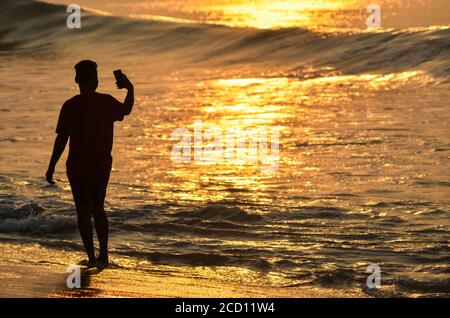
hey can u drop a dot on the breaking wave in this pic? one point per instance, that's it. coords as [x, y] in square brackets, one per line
[34, 26]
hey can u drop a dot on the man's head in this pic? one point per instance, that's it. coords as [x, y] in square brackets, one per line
[86, 74]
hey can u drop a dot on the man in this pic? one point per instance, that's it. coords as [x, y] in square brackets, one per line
[88, 120]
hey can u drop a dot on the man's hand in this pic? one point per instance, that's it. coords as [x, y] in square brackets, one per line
[129, 99]
[49, 175]
[126, 82]
[58, 149]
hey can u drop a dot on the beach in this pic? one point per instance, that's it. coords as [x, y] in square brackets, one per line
[360, 179]
[40, 272]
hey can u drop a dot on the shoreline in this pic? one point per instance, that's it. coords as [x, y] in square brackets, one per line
[33, 274]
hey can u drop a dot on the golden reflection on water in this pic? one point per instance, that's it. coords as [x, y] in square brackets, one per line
[274, 14]
[248, 102]
[322, 129]
[262, 14]
[243, 105]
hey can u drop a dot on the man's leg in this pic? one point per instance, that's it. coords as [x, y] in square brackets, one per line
[102, 229]
[85, 228]
[101, 221]
[81, 190]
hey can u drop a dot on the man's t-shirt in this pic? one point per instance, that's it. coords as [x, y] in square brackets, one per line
[89, 121]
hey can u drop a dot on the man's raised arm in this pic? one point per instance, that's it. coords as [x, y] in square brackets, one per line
[129, 99]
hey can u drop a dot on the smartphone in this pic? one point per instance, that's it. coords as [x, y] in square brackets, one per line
[119, 78]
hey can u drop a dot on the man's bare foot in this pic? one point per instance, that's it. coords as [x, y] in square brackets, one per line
[102, 261]
[88, 263]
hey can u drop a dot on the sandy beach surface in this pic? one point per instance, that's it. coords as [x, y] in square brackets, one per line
[32, 271]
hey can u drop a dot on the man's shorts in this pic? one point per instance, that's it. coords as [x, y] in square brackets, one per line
[88, 183]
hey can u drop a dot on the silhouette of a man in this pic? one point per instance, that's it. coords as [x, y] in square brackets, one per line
[88, 120]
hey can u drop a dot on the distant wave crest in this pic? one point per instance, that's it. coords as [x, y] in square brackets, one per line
[35, 26]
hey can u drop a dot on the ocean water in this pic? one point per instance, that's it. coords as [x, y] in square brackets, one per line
[363, 116]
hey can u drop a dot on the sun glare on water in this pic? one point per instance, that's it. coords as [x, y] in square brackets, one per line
[276, 14]
[273, 14]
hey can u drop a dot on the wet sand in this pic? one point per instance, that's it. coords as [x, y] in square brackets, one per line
[29, 275]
